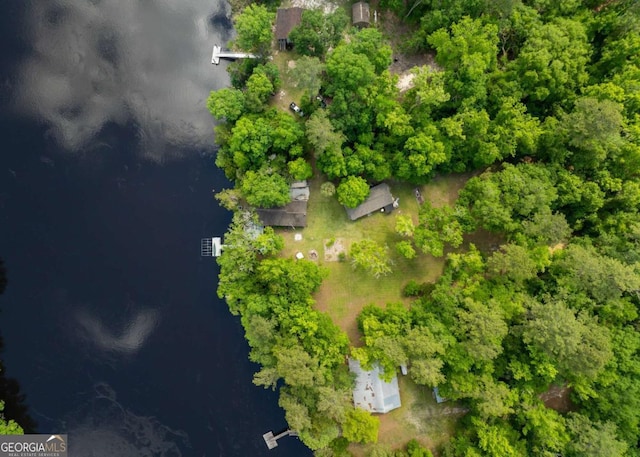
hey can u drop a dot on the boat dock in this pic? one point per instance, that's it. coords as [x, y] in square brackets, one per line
[218, 54]
[272, 441]
[211, 247]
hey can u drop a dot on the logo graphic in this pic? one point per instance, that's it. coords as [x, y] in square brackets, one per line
[56, 437]
[33, 446]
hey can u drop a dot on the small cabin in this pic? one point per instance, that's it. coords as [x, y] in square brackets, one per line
[360, 15]
[286, 20]
[379, 199]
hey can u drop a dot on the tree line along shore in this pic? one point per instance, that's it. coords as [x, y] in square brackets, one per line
[536, 103]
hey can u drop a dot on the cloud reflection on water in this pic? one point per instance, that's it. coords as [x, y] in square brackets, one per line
[128, 341]
[98, 62]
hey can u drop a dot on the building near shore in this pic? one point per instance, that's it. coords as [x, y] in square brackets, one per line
[286, 20]
[372, 393]
[360, 14]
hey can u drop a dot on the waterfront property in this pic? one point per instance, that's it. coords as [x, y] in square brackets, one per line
[360, 14]
[286, 20]
[379, 199]
[293, 214]
[372, 393]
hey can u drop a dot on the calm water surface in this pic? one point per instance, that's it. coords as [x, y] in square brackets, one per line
[110, 318]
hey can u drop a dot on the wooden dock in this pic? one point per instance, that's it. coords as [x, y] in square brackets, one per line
[271, 440]
[218, 54]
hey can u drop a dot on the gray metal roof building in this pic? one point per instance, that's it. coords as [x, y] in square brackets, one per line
[372, 393]
[379, 197]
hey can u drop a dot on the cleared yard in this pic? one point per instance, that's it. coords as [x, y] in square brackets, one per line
[346, 291]
[419, 417]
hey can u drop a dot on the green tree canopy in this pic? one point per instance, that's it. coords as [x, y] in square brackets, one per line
[264, 189]
[360, 426]
[371, 257]
[352, 191]
[317, 32]
[226, 103]
[254, 29]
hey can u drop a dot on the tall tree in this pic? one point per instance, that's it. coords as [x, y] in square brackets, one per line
[360, 426]
[578, 345]
[254, 29]
[437, 227]
[551, 65]
[352, 191]
[226, 103]
[308, 75]
[468, 54]
[370, 256]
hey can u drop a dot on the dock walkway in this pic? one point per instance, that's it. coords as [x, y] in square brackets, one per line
[218, 54]
[272, 441]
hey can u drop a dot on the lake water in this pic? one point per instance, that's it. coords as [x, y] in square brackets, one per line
[110, 318]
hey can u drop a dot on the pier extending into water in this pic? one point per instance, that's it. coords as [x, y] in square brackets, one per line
[218, 54]
[271, 440]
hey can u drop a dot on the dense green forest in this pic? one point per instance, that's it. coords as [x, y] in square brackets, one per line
[542, 98]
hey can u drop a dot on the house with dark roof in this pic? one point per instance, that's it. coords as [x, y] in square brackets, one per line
[293, 214]
[379, 199]
[286, 20]
[372, 393]
[360, 15]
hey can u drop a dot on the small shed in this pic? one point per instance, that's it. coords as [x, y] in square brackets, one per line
[379, 198]
[294, 214]
[286, 20]
[299, 191]
[372, 393]
[360, 15]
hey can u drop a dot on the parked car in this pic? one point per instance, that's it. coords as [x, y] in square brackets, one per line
[296, 109]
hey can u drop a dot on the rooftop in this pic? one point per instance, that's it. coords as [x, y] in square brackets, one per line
[379, 197]
[286, 20]
[294, 214]
[372, 393]
[360, 13]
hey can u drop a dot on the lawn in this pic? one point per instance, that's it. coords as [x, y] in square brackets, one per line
[288, 92]
[346, 291]
[419, 417]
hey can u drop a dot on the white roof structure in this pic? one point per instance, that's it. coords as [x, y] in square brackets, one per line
[372, 393]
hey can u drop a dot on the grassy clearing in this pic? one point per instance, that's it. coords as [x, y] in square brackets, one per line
[288, 92]
[346, 291]
[419, 417]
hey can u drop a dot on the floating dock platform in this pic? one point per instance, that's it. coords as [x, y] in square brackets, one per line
[271, 440]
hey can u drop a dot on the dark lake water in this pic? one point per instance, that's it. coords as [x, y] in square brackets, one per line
[110, 318]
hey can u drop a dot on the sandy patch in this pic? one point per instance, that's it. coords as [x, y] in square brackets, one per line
[405, 82]
[333, 249]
